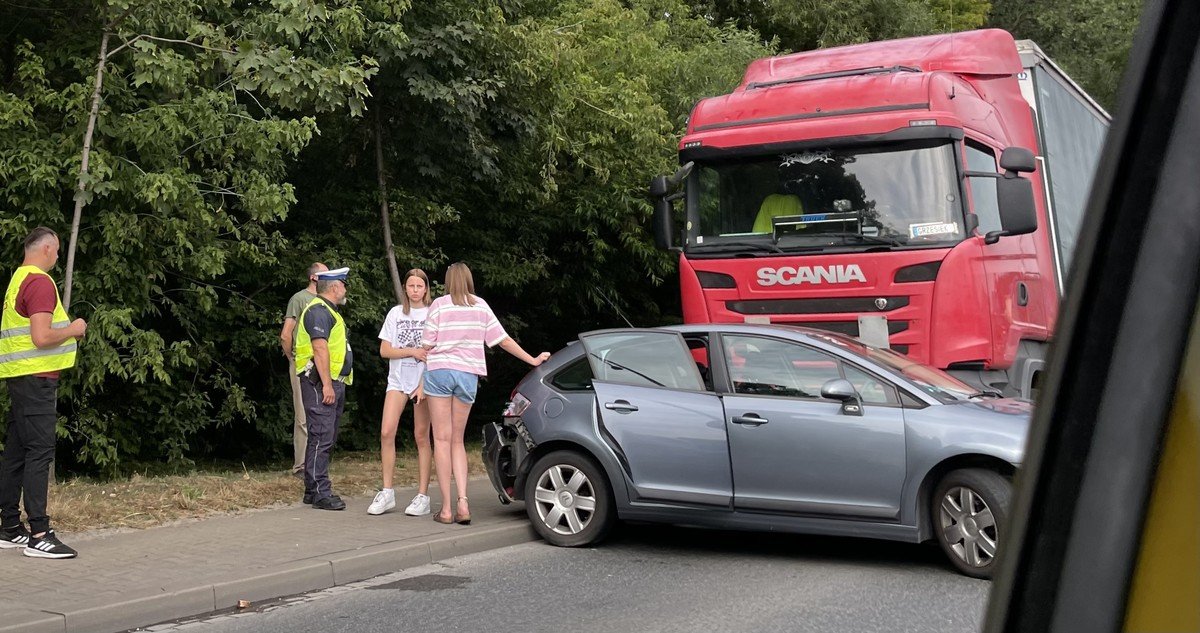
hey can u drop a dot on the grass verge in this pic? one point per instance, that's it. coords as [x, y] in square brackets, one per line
[82, 504]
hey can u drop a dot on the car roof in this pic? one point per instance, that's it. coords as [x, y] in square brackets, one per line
[822, 338]
[764, 329]
[831, 342]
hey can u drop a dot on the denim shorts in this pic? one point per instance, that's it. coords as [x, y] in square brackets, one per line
[443, 383]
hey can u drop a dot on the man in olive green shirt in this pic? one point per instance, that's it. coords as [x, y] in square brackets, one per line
[287, 339]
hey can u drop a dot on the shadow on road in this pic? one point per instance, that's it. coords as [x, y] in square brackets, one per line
[798, 547]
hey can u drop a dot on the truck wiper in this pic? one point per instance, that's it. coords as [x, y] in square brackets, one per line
[759, 246]
[869, 239]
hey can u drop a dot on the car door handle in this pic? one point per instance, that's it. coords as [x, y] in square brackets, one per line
[620, 406]
[750, 419]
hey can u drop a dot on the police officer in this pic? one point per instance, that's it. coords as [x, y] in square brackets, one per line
[323, 363]
[37, 341]
[287, 336]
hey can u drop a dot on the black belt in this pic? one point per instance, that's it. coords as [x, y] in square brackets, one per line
[315, 376]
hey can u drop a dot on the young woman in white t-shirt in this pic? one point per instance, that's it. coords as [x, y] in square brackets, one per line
[400, 343]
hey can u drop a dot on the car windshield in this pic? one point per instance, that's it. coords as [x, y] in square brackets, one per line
[899, 194]
[932, 381]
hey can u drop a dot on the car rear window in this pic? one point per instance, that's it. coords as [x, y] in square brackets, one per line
[576, 376]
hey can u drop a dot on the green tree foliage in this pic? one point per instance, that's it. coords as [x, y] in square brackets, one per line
[799, 25]
[229, 154]
[1090, 39]
[521, 142]
[235, 144]
[204, 105]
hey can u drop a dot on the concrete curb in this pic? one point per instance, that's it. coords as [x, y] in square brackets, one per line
[320, 572]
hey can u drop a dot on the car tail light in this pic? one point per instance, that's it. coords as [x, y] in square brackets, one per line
[516, 406]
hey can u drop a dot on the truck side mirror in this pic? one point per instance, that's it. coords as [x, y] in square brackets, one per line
[1017, 159]
[658, 186]
[1018, 216]
[664, 222]
[660, 192]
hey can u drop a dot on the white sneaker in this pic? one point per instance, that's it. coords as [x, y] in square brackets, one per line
[418, 507]
[384, 500]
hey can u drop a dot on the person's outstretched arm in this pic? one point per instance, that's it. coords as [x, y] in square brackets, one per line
[514, 348]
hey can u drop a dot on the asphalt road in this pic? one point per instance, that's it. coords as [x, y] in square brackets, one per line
[647, 578]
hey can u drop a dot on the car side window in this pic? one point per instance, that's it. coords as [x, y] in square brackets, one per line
[576, 376]
[870, 389]
[771, 367]
[909, 401]
[698, 345]
[642, 357]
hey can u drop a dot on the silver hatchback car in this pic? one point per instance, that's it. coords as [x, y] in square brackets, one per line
[757, 427]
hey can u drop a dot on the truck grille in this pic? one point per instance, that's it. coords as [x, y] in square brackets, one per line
[815, 306]
[849, 328]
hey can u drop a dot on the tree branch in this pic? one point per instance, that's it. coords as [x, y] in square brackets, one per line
[384, 212]
[167, 40]
[118, 49]
[80, 189]
[205, 140]
[192, 44]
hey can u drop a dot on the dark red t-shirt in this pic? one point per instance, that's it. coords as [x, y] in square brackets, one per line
[37, 294]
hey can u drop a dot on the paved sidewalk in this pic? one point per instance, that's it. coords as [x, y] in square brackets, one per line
[134, 579]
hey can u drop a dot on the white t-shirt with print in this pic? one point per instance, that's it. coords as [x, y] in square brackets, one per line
[404, 330]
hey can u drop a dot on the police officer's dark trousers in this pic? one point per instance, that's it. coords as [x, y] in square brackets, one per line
[322, 433]
[28, 451]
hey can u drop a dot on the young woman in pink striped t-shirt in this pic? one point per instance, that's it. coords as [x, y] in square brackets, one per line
[458, 327]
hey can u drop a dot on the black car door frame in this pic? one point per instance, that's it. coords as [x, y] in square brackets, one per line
[1094, 444]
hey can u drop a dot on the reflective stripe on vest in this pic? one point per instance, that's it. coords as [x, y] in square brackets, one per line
[337, 344]
[18, 355]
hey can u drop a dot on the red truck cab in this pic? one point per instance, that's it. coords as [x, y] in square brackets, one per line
[898, 191]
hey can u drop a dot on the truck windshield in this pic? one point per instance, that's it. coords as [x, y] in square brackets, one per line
[934, 382]
[897, 195]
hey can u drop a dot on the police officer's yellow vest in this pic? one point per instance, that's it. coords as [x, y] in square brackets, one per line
[337, 344]
[18, 355]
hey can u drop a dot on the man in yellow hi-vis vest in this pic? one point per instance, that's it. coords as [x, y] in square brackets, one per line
[324, 363]
[37, 341]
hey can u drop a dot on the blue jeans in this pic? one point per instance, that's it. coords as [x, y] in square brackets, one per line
[443, 383]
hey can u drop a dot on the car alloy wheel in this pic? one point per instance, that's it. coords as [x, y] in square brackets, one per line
[568, 499]
[969, 508]
[565, 499]
[969, 526]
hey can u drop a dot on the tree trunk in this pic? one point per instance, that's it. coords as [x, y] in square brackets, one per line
[384, 213]
[83, 170]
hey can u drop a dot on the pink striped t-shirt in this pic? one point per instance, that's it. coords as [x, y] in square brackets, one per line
[456, 335]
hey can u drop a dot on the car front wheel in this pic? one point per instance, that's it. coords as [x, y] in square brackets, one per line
[569, 500]
[969, 512]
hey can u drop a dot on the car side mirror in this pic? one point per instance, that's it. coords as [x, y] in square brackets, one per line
[841, 390]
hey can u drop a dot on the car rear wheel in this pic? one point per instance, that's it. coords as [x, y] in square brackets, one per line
[569, 500]
[969, 508]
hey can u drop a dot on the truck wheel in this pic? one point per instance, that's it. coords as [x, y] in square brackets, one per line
[969, 509]
[568, 500]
